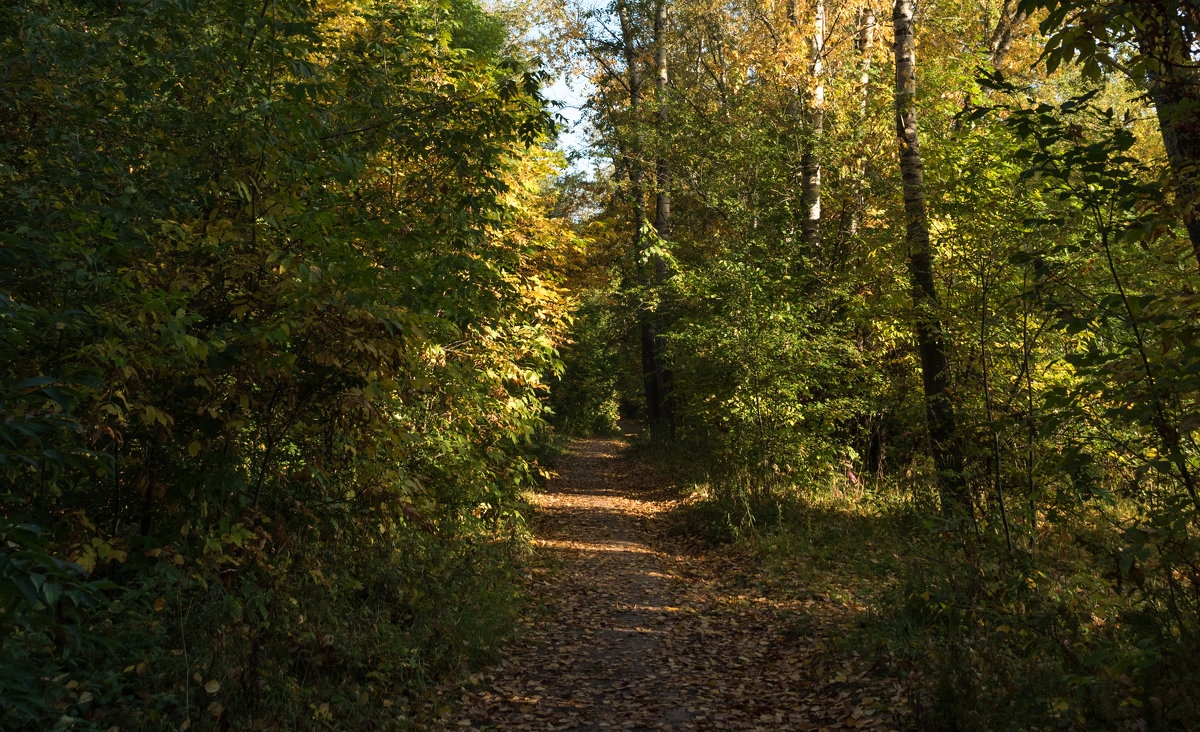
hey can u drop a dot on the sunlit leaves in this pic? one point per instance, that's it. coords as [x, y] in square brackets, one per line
[276, 282]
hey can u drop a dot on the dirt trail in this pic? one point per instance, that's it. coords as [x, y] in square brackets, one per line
[644, 634]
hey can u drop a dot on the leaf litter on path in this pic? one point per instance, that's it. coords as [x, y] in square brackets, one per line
[644, 631]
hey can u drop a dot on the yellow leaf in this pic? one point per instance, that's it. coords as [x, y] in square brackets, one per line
[213, 686]
[87, 560]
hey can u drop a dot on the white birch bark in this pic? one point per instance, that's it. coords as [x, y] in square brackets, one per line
[810, 161]
[865, 44]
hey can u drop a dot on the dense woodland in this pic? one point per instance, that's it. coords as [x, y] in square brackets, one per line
[297, 302]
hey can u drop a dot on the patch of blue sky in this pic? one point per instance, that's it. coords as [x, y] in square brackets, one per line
[570, 92]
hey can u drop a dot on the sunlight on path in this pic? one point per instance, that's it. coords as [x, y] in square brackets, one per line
[642, 635]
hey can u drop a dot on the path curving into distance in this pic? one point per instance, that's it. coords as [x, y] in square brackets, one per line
[643, 633]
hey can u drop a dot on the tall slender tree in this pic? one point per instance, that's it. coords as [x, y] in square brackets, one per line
[944, 440]
[814, 122]
[809, 105]
[655, 378]
[663, 425]
[864, 43]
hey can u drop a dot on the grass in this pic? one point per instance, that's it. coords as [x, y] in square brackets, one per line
[1055, 640]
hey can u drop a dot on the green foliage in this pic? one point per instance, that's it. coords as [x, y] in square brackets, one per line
[585, 400]
[1099, 36]
[1066, 300]
[275, 322]
[1080, 576]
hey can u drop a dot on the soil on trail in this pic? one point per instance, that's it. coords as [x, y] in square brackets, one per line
[644, 631]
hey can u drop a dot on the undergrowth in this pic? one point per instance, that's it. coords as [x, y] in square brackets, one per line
[360, 639]
[1056, 638]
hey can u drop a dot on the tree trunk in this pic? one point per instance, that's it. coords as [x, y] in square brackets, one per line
[662, 211]
[1001, 40]
[865, 20]
[634, 170]
[945, 444]
[1173, 81]
[665, 426]
[655, 377]
[998, 44]
[634, 159]
[814, 109]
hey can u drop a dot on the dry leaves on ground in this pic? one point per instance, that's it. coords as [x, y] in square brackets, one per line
[644, 631]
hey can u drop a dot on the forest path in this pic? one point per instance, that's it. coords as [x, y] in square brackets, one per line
[645, 632]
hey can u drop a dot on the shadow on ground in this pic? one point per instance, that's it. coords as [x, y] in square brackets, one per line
[644, 631]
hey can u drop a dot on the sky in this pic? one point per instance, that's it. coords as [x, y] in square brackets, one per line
[570, 87]
[572, 93]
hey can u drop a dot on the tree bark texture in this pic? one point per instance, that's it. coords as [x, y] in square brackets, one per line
[1002, 36]
[664, 425]
[814, 122]
[864, 18]
[945, 443]
[655, 376]
[633, 72]
[1168, 42]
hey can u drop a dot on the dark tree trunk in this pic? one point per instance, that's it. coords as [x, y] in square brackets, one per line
[634, 170]
[945, 444]
[664, 426]
[1173, 83]
[655, 377]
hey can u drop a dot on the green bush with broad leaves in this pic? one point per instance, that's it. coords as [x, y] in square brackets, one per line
[275, 323]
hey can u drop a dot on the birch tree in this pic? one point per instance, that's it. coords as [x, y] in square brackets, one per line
[944, 440]
[810, 162]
